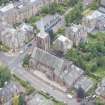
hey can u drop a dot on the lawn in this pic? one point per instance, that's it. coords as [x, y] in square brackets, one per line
[34, 19]
[25, 84]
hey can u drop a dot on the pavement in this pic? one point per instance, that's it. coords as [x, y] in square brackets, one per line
[14, 63]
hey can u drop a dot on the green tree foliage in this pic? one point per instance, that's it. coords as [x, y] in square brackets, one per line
[72, 2]
[95, 4]
[52, 36]
[75, 15]
[3, 1]
[80, 93]
[4, 75]
[15, 100]
[52, 9]
[61, 30]
[90, 56]
[26, 60]
[21, 99]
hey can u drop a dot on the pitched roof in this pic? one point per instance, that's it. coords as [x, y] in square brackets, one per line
[101, 88]
[40, 100]
[68, 75]
[85, 82]
[47, 59]
[10, 89]
[71, 76]
[102, 2]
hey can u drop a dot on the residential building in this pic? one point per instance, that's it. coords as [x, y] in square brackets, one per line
[21, 10]
[60, 1]
[15, 38]
[102, 6]
[102, 3]
[56, 69]
[100, 24]
[27, 30]
[93, 21]
[7, 36]
[38, 99]
[76, 33]
[85, 83]
[62, 44]
[87, 3]
[50, 22]
[88, 102]
[43, 40]
[100, 91]
[9, 91]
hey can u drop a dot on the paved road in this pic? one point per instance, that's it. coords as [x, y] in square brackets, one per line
[14, 64]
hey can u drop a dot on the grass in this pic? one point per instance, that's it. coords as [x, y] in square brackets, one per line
[34, 19]
[87, 12]
[100, 101]
[3, 48]
[25, 84]
[90, 56]
[58, 103]
[100, 72]
[47, 96]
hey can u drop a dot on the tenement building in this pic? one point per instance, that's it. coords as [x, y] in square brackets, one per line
[62, 44]
[21, 10]
[15, 38]
[43, 40]
[94, 20]
[50, 22]
[76, 33]
[56, 69]
[102, 6]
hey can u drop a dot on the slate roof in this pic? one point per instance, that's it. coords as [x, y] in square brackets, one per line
[9, 90]
[87, 2]
[69, 76]
[102, 9]
[72, 75]
[101, 88]
[102, 2]
[48, 59]
[18, 6]
[62, 43]
[39, 100]
[48, 22]
[85, 82]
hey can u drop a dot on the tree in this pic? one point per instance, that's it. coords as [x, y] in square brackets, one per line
[52, 9]
[52, 36]
[61, 30]
[21, 99]
[95, 4]
[101, 61]
[26, 61]
[72, 2]
[5, 75]
[80, 93]
[75, 15]
[45, 10]
[15, 100]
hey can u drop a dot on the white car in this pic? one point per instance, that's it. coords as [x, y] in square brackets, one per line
[69, 96]
[21, 51]
[43, 90]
